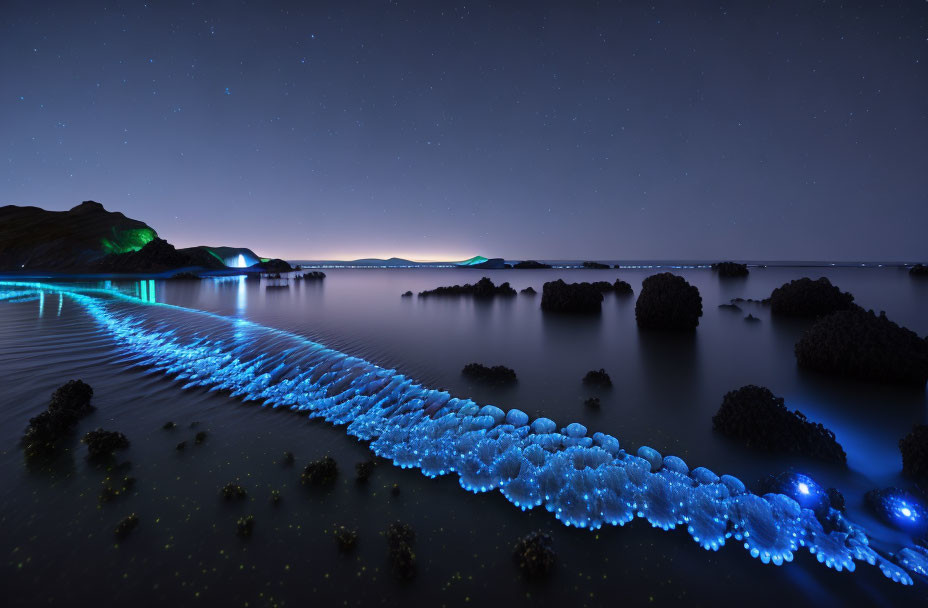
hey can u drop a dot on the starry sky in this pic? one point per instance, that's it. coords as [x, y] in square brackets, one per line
[432, 130]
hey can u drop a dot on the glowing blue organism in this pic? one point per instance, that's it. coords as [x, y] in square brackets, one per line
[584, 480]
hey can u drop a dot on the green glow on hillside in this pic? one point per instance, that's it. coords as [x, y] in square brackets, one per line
[124, 241]
[216, 255]
[265, 259]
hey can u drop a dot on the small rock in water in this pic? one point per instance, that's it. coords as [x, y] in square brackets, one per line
[320, 472]
[181, 446]
[102, 443]
[233, 490]
[169, 426]
[345, 538]
[497, 375]
[592, 402]
[364, 469]
[126, 525]
[245, 525]
[598, 378]
[199, 437]
[534, 554]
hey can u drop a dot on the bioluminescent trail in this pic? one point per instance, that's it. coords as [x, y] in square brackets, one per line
[584, 480]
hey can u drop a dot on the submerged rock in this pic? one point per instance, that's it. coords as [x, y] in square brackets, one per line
[245, 525]
[320, 472]
[363, 470]
[534, 554]
[667, 301]
[169, 426]
[595, 266]
[751, 318]
[558, 296]
[592, 402]
[761, 420]
[528, 291]
[484, 288]
[807, 298]
[400, 538]
[200, 437]
[102, 443]
[530, 265]
[232, 491]
[730, 270]
[497, 375]
[859, 344]
[345, 538]
[127, 525]
[914, 448]
[597, 377]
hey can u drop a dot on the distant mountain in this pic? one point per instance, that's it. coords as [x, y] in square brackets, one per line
[36, 239]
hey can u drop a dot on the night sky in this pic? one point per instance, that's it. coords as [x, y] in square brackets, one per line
[571, 130]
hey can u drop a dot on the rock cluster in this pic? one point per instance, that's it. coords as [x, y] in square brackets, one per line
[101, 444]
[667, 301]
[363, 470]
[245, 525]
[860, 344]
[807, 298]
[484, 288]
[534, 554]
[345, 538]
[621, 288]
[497, 375]
[232, 491]
[320, 472]
[730, 270]
[314, 275]
[595, 266]
[69, 403]
[914, 448]
[400, 538]
[558, 296]
[530, 265]
[597, 377]
[528, 291]
[759, 419]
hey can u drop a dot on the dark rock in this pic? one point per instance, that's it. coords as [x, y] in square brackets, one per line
[407, 294]
[751, 318]
[761, 420]
[667, 301]
[127, 525]
[273, 265]
[528, 291]
[807, 298]
[731, 307]
[558, 296]
[602, 286]
[69, 403]
[345, 539]
[200, 437]
[598, 378]
[320, 472]
[245, 525]
[621, 288]
[34, 239]
[730, 270]
[169, 426]
[592, 402]
[102, 443]
[835, 499]
[497, 375]
[484, 288]
[400, 538]
[363, 470]
[74, 397]
[232, 491]
[315, 275]
[914, 448]
[181, 446]
[919, 270]
[530, 265]
[156, 256]
[534, 554]
[595, 266]
[859, 344]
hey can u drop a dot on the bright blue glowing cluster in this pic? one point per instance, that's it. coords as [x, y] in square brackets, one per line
[899, 508]
[584, 480]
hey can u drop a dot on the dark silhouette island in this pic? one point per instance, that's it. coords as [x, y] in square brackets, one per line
[667, 301]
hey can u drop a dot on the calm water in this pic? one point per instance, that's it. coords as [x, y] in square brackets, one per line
[666, 389]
